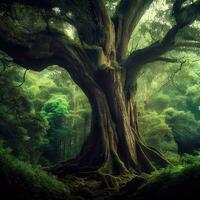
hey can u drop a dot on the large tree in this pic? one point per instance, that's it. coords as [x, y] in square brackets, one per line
[99, 62]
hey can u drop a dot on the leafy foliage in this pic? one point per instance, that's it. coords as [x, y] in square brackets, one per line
[42, 121]
[158, 134]
[170, 102]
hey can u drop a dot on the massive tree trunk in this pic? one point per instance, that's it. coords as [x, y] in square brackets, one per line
[114, 145]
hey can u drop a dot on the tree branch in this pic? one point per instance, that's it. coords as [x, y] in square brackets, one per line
[89, 17]
[191, 44]
[23, 80]
[96, 28]
[185, 15]
[137, 59]
[103, 19]
[38, 51]
[170, 60]
[127, 16]
[148, 54]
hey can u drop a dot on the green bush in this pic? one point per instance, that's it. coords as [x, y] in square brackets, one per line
[185, 129]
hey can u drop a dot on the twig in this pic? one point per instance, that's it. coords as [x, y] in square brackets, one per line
[24, 79]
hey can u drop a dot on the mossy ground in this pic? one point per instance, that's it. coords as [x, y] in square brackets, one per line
[22, 181]
[174, 183]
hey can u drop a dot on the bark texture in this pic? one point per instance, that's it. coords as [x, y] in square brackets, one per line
[114, 145]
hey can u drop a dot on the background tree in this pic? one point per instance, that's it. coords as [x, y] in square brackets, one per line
[21, 128]
[175, 101]
[98, 61]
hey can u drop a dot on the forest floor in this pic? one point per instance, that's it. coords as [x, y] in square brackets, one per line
[171, 183]
[22, 181]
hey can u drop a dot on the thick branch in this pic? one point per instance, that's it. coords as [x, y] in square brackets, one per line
[185, 15]
[127, 16]
[137, 59]
[103, 19]
[38, 51]
[90, 18]
[96, 28]
[148, 54]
